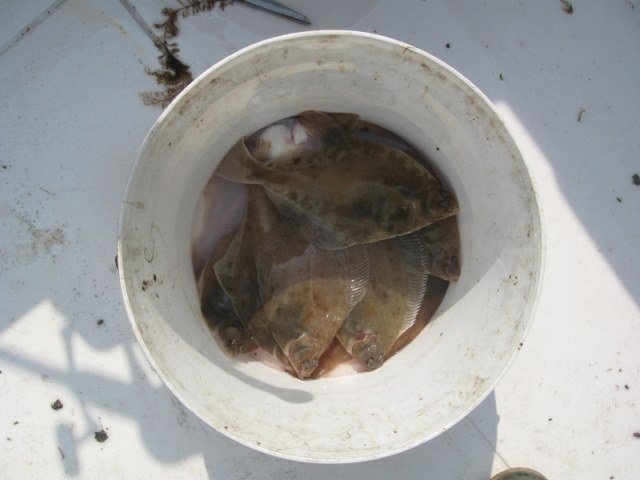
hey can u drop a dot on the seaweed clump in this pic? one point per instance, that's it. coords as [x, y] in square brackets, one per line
[173, 73]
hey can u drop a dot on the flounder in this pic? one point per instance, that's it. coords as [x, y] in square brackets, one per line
[236, 270]
[395, 290]
[307, 294]
[347, 191]
[218, 311]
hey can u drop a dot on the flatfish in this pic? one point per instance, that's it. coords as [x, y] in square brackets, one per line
[236, 270]
[347, 191]
[395, 290]
[307, 294]
[218, 311]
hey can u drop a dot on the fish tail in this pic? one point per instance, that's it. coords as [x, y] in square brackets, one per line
[322, 127]
[238, 165]
[349, 122]
[262, 150]
[225, 270]
[413, 256]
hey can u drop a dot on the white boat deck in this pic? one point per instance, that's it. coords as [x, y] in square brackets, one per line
[71, 122]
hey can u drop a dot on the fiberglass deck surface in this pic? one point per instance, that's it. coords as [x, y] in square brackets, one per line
[71, 123]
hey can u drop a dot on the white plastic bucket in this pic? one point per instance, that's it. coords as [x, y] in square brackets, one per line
[456, 360]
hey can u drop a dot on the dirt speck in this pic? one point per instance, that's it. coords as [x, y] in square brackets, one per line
[568, 8]
[100, 322]
[16, 422]
[626, 387]
[448, 45]
[61, 453]
[619, 199]
[145, 285]
[501, 77]
[581, 113]
[42, 239]
[101, 436]
[57, 405]
[635, 179]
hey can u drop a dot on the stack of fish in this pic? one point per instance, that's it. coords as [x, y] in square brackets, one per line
[337, 240]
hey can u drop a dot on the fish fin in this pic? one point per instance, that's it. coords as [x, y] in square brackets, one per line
[323, 127]
[259, 329]
[413, 256]
[238, 165]
[350, 122]
[358, 264]
[265, 256]
[225, 268]
[215, 304]
[309, 227]
[282, 359]
[261, 151]
[207, 280]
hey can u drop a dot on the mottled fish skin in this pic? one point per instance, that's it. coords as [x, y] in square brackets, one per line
[441, 242]
[218, 311]
[236, 270]
[361, 190]
[395, 290]
[307, 294]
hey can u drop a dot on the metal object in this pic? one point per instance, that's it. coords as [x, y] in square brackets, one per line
[157, 41]
[278, 9]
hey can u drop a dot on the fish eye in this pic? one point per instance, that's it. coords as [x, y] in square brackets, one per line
[309, 364]
[373, 363]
